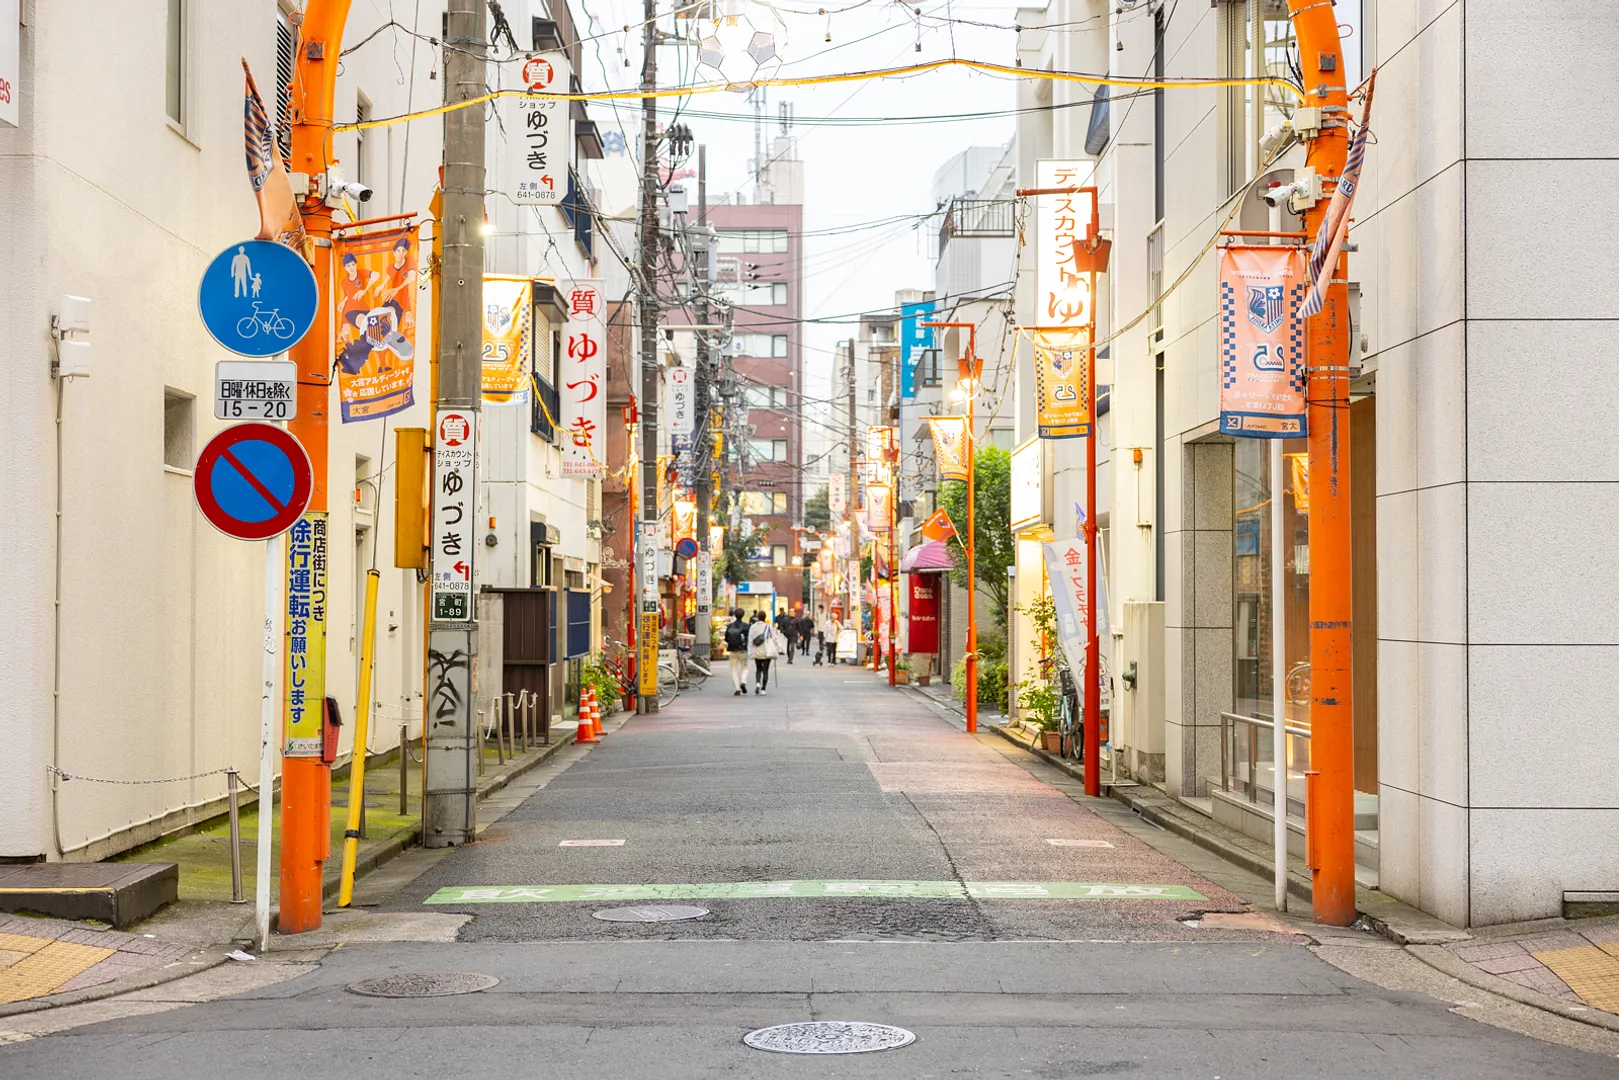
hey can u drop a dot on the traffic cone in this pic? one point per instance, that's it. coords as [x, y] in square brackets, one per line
[587, 731]
[596, 714]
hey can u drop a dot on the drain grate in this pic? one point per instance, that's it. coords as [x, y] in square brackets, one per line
[414, 984]
[652, 913]
[828, 1037]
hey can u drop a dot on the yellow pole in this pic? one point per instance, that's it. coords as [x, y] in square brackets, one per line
[362, 722]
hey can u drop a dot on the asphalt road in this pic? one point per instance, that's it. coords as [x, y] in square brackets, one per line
[836, 780]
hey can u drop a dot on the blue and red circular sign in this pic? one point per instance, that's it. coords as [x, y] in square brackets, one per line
[252, 481]
[686, 547]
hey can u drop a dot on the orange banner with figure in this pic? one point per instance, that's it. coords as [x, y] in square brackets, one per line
[949, 446]
[506, 325]
[1062, 390]
[376, 322]
[1262, 342]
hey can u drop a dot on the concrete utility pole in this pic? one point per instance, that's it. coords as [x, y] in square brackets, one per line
[703, 440]
[649, 343]
[1330, 782]
[448, 805]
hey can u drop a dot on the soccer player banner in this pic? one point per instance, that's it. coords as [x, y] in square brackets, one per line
[1062, 386]
[376, 322]
[949, 446]
[1262, 342]
[505, 340]
[582, 391]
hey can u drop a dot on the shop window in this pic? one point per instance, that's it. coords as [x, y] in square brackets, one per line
[1253, 604]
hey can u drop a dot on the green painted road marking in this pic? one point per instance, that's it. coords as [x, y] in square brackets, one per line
[754, 890]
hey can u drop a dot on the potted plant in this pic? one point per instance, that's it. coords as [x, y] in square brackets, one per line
[1042, 701]
[920, 666]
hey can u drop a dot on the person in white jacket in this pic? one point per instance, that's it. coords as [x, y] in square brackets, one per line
[762, 650]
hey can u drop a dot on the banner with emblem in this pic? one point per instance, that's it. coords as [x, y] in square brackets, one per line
[582, 380]
[1062, 390]
[506, 339]
[376, 322]
[949, 446]
[1262, 378]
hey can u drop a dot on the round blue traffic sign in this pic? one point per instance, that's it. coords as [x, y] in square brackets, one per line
[258, 298]
[252, 481]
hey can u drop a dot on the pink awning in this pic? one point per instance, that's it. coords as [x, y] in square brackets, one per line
[931, 556]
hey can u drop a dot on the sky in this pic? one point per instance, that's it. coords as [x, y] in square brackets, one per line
[856, 172]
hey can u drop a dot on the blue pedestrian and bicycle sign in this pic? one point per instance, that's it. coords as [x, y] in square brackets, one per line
[258, 298]
[252, 481]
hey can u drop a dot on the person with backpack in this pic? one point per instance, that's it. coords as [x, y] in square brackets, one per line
[736, 651]
[762, 648]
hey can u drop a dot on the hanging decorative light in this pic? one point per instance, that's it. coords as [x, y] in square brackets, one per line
[741, 41]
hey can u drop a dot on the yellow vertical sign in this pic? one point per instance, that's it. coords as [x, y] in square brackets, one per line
[304, 677]
[646, 647]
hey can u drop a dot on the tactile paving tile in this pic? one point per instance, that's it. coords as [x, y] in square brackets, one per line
[1591, 972]
[46, 969]
[22, 943]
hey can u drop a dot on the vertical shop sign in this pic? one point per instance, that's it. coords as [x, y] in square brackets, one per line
[646, 554]
[677, 399]
[376, 322]
[913, 339]
[923, 623]
[454, 511]
[1262, 342]
[305, 674]
[1062, 387]
[507, 339]
[583, 381]
[538, 148]
[837, 493]
[10, 61]
[1062, 294]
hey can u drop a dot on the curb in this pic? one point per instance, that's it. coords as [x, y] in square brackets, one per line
[214, 955]
[1442, 961]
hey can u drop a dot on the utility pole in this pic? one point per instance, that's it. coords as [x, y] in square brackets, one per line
[448, 806]
[703, 443]
[850, 501]
[646, 535]
[306, 779]
[1330, 781]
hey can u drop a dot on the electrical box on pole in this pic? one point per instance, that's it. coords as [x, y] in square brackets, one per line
[412, 474]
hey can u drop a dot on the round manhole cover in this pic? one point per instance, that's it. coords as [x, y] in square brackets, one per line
[414, 984]
[828, 1037]
[652, 913]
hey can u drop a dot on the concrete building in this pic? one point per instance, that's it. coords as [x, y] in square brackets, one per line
[136, 630]
[1479, 653]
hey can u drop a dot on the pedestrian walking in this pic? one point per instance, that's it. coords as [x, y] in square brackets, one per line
[762, 650]
[806, 631]
[789, 630]
[736, 651]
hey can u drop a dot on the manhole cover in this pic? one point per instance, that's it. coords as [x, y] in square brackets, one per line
[828, 1037]
[652, 913]
[414, 984]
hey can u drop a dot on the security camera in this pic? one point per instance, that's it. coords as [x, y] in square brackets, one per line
[1278, 193]
[356, 190]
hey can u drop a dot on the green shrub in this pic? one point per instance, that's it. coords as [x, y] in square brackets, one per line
[593, 673]
[991, 681]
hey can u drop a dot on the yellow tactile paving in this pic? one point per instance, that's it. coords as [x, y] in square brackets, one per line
[1609, 947]
[23, 943]
[48, 968]
[1591, 972]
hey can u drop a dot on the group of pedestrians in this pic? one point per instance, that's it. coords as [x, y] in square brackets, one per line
[754, 638]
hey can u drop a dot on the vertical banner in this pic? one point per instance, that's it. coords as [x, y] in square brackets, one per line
[455, 496]
[1062, 295]
[646, 554]
[507, 339]
[913, 339]
[922, 626]
[1065, 569]
[304, 674]
[879, 507]
[538, 147]
[1062, 389]
[376, 322]
[949, 446]
[583, 381]
[837, 493]
[705, 583]
[877, 444]
[646, 653]
[1262, 342]
[677, 401]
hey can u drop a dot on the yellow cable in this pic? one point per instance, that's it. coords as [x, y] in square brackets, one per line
[822, 80]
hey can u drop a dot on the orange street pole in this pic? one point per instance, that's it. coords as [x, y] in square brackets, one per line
[306, 782]
[969, 368]
[1330, 783]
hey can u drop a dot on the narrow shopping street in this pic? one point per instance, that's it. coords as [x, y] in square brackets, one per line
[907, 851]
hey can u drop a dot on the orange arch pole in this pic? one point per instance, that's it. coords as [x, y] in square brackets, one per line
[1330, 785]
[306, 782]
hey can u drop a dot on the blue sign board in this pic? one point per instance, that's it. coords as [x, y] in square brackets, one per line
[913, 338]
[258, 298]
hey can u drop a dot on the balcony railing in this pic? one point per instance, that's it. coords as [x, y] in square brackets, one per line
[967, 218]
[539, 423]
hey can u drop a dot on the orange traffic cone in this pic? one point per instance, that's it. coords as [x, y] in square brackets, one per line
[587, 731]
[596, 714]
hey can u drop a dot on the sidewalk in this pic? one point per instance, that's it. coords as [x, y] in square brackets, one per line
[46, 962]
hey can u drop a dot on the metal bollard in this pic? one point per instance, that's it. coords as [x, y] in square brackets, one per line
[501, 734]
[236, 896]
[528, 718]
[480, 742]
[511, 722]
[404, 770]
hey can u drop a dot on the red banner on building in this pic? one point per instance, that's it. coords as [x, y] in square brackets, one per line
[1262, 342]
[922, 629]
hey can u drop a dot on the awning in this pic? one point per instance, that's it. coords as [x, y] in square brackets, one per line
[933, 555]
